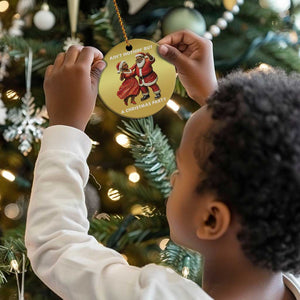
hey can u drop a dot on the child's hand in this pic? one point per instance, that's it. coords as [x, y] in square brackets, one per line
[71, 86]
[193, 59]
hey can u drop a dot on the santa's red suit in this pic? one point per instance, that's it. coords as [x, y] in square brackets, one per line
[147, 77]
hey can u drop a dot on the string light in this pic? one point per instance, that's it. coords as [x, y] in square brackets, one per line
[95, 143]
[185, 272]
[12, 211]
[186, 267]
[14, 265]
[163, 244]
[12, 95]
[136, 209]
[264, 67]
[4, 5]
[8, 175]
[113, 194]
[134, 177]
[122, 140]
[173, 105]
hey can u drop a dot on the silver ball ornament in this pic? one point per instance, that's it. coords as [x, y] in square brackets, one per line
[44, 19]
[235, 9]
[183, 18]
[278, 6]
[228, 16]
[208, 35]
[222, 23]
[214, 30]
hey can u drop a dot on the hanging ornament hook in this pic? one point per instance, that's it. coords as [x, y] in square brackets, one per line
[28, 70]
[73, 7]
[128, 47]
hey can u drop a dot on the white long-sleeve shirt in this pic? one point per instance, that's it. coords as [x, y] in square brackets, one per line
[68, 260]
[71, 262]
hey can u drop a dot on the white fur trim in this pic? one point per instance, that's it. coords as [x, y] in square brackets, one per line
[148, 83]
[121, 65]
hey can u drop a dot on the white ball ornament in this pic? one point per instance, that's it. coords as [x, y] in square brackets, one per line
[278, 6]
[235, 9]
[214, 30]
[222, 23]
[208, 35]
[44, 19]
[228, 16]
[240, 2]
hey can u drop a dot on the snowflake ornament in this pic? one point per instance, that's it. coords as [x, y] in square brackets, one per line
[70, 41]
[3, 112]
[26, 124]
[4, 63]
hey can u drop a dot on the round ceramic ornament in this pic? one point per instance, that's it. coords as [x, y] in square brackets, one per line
[136, 82]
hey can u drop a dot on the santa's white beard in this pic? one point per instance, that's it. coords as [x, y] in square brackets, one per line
[141, 64]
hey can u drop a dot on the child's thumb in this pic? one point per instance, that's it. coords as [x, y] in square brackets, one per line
[96, 71]
[172, 55]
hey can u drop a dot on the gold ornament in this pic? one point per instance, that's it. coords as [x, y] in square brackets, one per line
[136, 83]
[229, 4]
[73, 7]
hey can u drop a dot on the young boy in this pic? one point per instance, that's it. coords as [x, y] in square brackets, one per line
[235, 195]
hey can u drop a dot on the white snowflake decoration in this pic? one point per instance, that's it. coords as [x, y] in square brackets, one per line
[70, 41]
[5, 61]
[3, 112]
[27, 124]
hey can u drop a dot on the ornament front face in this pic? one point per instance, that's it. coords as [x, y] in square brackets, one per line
[136, 83]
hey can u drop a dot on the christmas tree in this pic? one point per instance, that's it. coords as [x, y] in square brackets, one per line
[132, 160]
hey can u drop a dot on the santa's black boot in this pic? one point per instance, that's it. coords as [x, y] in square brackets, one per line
[145, 97]
[126, 101]
[157, 96]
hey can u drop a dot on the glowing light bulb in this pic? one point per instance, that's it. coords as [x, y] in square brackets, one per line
[113, 194]
[8, 175]
[264, 67]
[185, 272]
[173, 105]
[134, 177]
[4, 5]
[12, 211]
[122, 140]
[12, 95]
[163, 244]
[136, 209]
[14, 265]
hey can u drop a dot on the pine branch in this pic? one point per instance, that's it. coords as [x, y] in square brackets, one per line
[138, 193]
[152, 153]
[178, 258]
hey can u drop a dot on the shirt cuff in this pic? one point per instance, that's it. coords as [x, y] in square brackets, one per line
[66, 138]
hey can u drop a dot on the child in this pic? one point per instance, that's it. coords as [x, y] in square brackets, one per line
[235, 195]
[129, 87]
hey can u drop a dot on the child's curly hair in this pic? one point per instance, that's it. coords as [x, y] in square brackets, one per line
[254, 166]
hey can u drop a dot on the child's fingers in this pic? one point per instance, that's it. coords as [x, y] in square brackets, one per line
[59, 60]
[173, 56]
[48, 71]
[89, 56]
[72, 54]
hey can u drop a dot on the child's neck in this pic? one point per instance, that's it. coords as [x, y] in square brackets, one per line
[227, 278]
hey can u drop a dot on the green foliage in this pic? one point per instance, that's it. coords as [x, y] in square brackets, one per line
[118, 232]
[136, 193]
[177, 258]
[152, 153]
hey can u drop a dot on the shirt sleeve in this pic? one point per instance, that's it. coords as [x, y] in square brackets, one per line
[62, 254]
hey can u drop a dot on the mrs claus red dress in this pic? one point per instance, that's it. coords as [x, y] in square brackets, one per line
[129, 87]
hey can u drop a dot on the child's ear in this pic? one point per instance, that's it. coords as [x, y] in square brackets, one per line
[215, 221]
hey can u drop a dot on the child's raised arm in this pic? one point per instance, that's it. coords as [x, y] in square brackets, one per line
[193, 58]
[62, 254]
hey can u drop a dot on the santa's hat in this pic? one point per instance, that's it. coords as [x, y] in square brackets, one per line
[140, 54]
[120, 65]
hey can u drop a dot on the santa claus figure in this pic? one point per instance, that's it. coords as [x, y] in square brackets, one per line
[147, 77]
